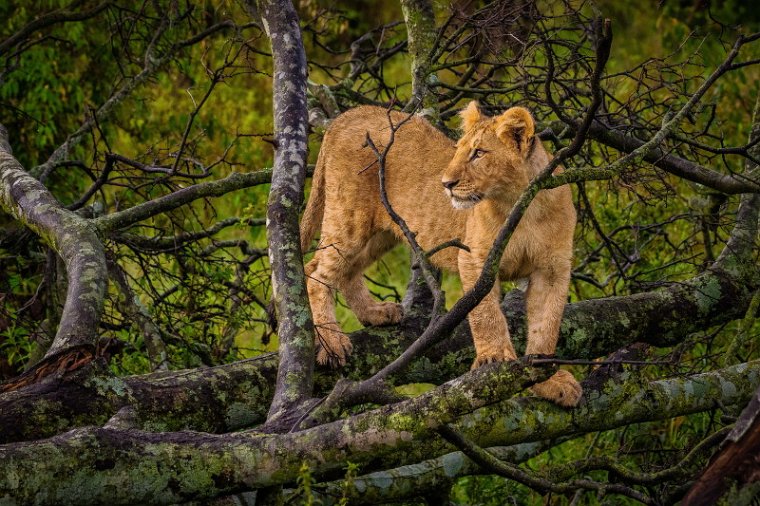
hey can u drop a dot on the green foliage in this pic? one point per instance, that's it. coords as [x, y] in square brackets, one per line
[348, 483]
[491, 491]
[305, 482]
[15, 343]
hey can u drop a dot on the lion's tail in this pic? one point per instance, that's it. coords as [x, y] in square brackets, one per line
[315, 207]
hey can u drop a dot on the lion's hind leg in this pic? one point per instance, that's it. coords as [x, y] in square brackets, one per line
[368, 310]
[332, 345]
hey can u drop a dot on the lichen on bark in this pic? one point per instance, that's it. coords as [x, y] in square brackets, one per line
[172, 467]
[420, 26]
[73, 238]
[295, 328]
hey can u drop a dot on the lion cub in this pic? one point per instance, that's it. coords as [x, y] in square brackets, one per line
[444, 191]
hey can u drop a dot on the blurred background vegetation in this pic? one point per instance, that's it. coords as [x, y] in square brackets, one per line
[208, 297]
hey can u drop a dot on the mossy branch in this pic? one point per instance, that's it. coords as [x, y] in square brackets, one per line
[71, 237]
[174, 467]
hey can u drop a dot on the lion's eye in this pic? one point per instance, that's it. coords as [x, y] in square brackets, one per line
[477, 154]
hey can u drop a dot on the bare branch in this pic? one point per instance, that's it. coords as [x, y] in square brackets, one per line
[235, 181]
[50, 19]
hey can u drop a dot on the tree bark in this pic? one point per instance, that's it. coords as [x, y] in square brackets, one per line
[420, 26]
[98, 465]
[73, 238]
[295, 328]
[215, 399]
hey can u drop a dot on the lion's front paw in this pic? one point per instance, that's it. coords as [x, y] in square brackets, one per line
[495, 354]
[333, 347]
[382, 313]
[562, 388]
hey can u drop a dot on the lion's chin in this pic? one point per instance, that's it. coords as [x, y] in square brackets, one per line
[466, 203]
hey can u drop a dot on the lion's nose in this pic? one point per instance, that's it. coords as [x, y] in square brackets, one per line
[450, 184]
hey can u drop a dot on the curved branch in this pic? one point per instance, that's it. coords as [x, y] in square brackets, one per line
[140, 212]
[686, 169]
[72, 237]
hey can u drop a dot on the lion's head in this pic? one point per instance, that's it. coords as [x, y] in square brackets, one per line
[492, 157]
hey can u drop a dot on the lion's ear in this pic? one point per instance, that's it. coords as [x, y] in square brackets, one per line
[470, 115]
[516, 126]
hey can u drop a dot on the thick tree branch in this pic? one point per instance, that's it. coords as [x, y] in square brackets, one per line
[178, 466]
[686, 169]
[213, 399]
[417, 480]
[250, 460]
[71, 237]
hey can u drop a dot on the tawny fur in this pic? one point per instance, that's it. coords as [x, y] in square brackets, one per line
[487, 171]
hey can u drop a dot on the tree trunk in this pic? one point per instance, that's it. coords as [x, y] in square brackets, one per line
[295, 328]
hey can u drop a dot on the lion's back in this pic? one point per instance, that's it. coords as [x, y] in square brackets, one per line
[413, 169]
